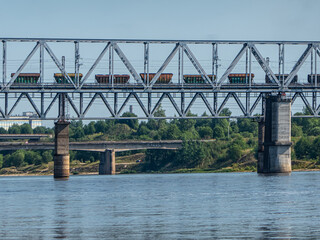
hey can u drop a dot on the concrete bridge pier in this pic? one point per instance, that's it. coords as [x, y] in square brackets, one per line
[61, 150]
[107, 164]
[277, 137]
[261, 131]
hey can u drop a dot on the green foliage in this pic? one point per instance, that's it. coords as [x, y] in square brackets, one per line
[14, 129]
[296, 130]
[218, 132]
[3, 131]
[205, 132]
[26, 129]
[47, 156]
[1, 160]
[132, 123]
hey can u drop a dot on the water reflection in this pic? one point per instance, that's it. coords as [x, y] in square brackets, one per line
[176, 206]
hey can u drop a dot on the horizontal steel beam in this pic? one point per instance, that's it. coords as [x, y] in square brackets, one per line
[154, 41]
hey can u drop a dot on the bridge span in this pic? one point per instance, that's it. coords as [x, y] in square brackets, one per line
[262, 80]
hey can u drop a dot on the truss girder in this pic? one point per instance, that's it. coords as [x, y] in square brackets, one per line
[164, 65]
[59, 65]
[127, 63]
[233, 64]
[14, 77]
[299, 63]
[196, 64]
[95, 64]
[262, 62]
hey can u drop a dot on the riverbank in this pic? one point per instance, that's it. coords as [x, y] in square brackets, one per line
[134, 164]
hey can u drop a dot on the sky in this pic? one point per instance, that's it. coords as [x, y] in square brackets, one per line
[293, 20]
[162, 19]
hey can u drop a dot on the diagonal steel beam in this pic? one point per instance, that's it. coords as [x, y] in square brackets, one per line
[191, 103]
[205, 100]
[174, 104]
[141, 104]
[232, 65]
[16, 103]
[127, 63]
[165, 64]
[158, 103]
[306, 103]
[264, 65]
[90, 103]
[255, 104]
[107, 104]
[50, 105]
[298, 64]
[235, 96]
[2, 113]
[59, 65]
[223, 103]
[14, 77]
[72, 105]
[197, 65]
[124, 103]
[33, 104]
[95, 64]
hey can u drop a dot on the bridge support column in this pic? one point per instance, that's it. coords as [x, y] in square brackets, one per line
[107, 164]
[61, 150]
[261, 129]
[277, 139]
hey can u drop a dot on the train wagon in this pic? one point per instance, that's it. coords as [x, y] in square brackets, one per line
[61, 79]
[294, 80]
[164, 78]
[117, 79]
[196, 79]
[240, 78]
[313, 77]
[27, 78]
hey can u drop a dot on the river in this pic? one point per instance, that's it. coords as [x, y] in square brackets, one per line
[161, 206]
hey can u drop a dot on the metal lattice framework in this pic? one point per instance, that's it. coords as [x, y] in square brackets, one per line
[149, 95]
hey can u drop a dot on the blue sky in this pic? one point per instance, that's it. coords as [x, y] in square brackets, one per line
[165, 19]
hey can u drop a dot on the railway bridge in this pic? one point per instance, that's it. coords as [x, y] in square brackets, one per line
[100, 78]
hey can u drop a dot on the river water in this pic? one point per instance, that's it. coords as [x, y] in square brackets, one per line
[161, 206]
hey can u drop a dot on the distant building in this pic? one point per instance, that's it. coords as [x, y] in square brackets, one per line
[19, 120]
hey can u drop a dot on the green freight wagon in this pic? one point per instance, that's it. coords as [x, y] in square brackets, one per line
[196, 79]
[61, 79]
[26, 78]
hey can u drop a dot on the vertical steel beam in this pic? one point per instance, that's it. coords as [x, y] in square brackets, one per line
[183, 104]
[4, 63]
[81, 104]
[41, 67]
[146, 63]
[149, 103]
[215, 63]
[215, 102]
[42, 105]
[115, 104]
[6, 104]
[76, 62]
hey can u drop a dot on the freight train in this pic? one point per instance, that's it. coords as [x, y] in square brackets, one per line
[281, 77]
[27, 78]
[164, 78]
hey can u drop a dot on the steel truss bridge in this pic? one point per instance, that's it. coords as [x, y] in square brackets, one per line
[214, 94]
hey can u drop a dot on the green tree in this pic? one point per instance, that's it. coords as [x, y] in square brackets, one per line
[14, 129]
[132, 123]
[234, 152]
[17, 158]
[205, 132]
[89, 129]
[296, 130]
[1, 160]
[47, 156]
[101, 126]
[30, 157]
[3, 131]
[26, 128]
[303, 148]
[218, 132]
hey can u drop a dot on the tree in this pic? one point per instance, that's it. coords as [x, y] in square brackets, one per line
[218, 132]
[30, 157]
[132, 123]
[14, 129]
[100, 126]
[205, 132]
[17, 158]
[3, 131]
[89, 129]
[47, 156]
[1, 160]
[26, 128]
[303, 148]
[39, 130]
[78, 133]
[234, 152]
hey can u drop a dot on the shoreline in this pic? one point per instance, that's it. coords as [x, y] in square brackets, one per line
[97, 173]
